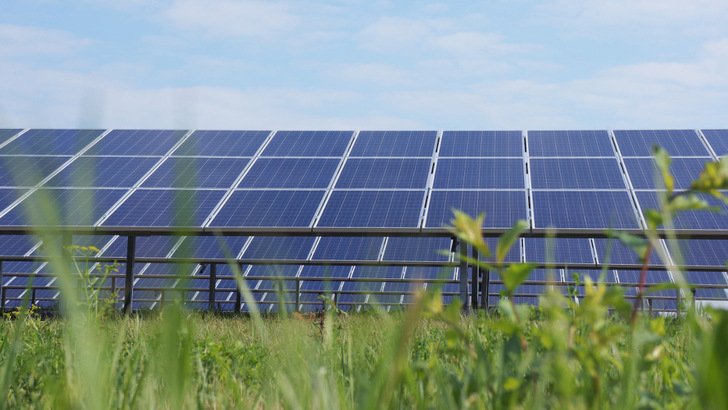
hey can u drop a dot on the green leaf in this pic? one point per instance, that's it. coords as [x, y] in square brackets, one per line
[662, 159]
[507, 240]
[654, 219]
[470, 231]
[637, 243]
[690, 203]
[515, 274]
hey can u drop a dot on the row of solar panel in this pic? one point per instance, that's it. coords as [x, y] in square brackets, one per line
[368, 143]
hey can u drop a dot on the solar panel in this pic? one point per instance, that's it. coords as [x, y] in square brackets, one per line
[308, 144]
[63, 207]
[27, 171]
[394, 144]
[137, 142]
[269, 208]
[583, 210]
[164, 207]
[384, 173]
[290, 173]
[279, 247]
[708, 278]
[569, 144]
[675, 142]
[481, 144]
[107, 172]
[653, 277]
[50, 142]
[222, 143]
[348, 248]
[210, 247]
[6, 133]
[502, 208]
[703, 252]
[702, 219]
[392, 209]
[559, 250]
[513, 255]
[576, 173]
[644, 174]
[16, 245]
[470, 173]
[196, 173]
[718, 140]
[417, 249]
[614, 252]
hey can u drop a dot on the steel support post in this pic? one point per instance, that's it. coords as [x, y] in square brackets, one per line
[237, 291]
[211, 291]
[2, 290]
[129, 285]
[485, 289]
[298, 294]
[463, 273]
[474, 280]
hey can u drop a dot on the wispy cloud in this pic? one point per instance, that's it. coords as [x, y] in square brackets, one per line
[21, 41]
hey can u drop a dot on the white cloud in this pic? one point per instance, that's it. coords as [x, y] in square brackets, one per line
[22, 41]
[225, 18]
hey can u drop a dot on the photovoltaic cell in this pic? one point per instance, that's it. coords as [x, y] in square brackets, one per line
[644, 173]
[196, 173]
[394, 209]
[423, 249]
[279, 247]
[308, 144]
[614, 252]
[158, 207]
[471, 173]
[222, 143]
[502, 208]
[701, 252]
[394, 144]
[27, 171]
[348, 248]
[269, 208]
[108, 172]
[513, 255]
[559, 250]
[16, 245]
[700, 219]
[718, 140]
[6, 133]
[211, 247]
[384, 173]
[576, 173]
[569, 144]
[675, 142]
[708, 278]
[653, 277]
[583, 210]
[137, 142]
[72, 207]
[290, 173]
[51, 142]
[481, 144]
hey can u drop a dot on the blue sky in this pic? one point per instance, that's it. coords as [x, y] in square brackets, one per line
[498, 64]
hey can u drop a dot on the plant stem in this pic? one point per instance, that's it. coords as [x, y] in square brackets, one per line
[643, 277]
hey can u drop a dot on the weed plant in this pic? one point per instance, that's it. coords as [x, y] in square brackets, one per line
[598, 353]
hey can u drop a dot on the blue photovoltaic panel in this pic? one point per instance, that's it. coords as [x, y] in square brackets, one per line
[394, 144]
[196, 173]
[137, 142]
[108, 172]
[569, 144]
[211, 247]
[269, 208]
[576, 173]
[653, 277]
[718, 140]
[701, 219]
[158, 207]
[348, 248]
[290, 173]
[16, 245]
[222, 143]
[424, 249]
[513, 255]
[676, 142]
[559, 250]
[28, 171]
[6, 133]
[384, 173]
[279, 247]
[502, 208]
[97, 241]
[702, 252]
[614, 252]
[481, 144]
[370, 209]
[583, 210]
[644, 174]
[308, 144]
[51, 142]
[383, 272]
[479, 174]
[73, 207]
[707, 278]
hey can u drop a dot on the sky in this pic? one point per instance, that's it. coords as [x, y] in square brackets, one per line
[352, 65]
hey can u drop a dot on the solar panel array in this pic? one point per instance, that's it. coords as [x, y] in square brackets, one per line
[379, 183]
